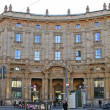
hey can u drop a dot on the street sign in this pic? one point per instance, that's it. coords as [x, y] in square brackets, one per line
[67, 84]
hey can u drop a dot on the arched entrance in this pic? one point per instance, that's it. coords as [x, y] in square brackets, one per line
[58, 89]
[36, 90]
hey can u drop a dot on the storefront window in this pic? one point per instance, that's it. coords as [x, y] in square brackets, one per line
[16, 88]
[98, 88]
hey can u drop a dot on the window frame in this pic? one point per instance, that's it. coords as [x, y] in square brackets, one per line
[78, 56]
[18, 37]
[97, 53]
[57, 39]
[78, 38]
[96, 24]
[57, 55]
[97, 36]
[18, 25]
[37, 55]
[37, 26]
[78, 26]
[37, 38]
[17, 54]
[57, 27]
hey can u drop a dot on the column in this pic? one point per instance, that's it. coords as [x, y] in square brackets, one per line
[92, 88]
[88, 89]
[71, 83]
[7, 88]
[50, 88]
[29, 89]
[107, 87]
[46, 86]
[63, 87]
[26, 93]
[43, 88]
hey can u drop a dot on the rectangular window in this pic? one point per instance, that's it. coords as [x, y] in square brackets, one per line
[57, 39]
[37, 39]
[98, 88]
[18, 25]
[37, 26]
[37, 55]
[96, 24]
[78, 55]
[17, 54]
[97, 36]
[57, 26]
[77, 26]
[18, 37]
[78, 38]
[97, 53]
[16, 88]
[57, 55]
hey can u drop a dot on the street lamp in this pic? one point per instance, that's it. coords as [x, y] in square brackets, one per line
[83, 94]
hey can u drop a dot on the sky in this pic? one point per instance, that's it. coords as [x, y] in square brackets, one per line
[55, 7]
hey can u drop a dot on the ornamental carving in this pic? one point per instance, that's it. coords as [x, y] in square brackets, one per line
[48, 65]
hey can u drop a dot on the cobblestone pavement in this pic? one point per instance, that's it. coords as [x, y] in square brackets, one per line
[56, 108]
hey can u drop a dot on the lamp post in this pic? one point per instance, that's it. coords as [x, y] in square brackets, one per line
[83, 94]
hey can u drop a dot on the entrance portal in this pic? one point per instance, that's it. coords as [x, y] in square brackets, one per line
[58, 89]
[36, 91]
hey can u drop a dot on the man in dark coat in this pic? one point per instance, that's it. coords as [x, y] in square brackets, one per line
[100, 103]
[65, 105]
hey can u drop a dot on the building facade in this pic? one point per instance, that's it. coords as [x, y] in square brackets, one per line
[37, 50]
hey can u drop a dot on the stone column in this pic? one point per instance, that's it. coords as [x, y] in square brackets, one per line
[92, 88]
[71, 83]
[43, 86]
[46, 86]
[64, 87]
[88, 89]
[26, 91]
[7, 89]
[50, 89]
[107, 87]
[86, 86]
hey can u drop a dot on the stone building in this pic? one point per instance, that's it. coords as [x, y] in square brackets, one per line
[37, 49]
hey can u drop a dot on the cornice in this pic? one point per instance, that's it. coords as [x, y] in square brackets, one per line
[53, 18]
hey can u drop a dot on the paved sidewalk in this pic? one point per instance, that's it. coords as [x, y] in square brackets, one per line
[55, 108]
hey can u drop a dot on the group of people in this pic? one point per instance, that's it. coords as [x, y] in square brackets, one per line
[19, 104]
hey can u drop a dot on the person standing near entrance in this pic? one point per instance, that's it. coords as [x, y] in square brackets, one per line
[65, 105]
[100, 103]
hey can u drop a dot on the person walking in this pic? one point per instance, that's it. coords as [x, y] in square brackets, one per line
[14, 104]
[100, 103]
[65, 105]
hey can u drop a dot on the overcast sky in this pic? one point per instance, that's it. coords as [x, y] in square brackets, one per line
[55, 7]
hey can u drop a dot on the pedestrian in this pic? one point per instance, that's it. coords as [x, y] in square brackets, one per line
[65, 105]
[100, 103]
[14, 104]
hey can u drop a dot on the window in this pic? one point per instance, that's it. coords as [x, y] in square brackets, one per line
[17, 54]
[37, 55]
[16, 88]
[96, 24]
[57, 26]
[37, 39]
[97, 36]
[57, 55]
[77, 26]
[97, 53]
[78, 38]
[57, 39]
[18, 25]
[37, 26]
[98, 88]
[18, 37]
[78, 55]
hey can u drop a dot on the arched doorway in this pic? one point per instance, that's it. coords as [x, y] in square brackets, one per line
[36, 90]
[58, 89]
